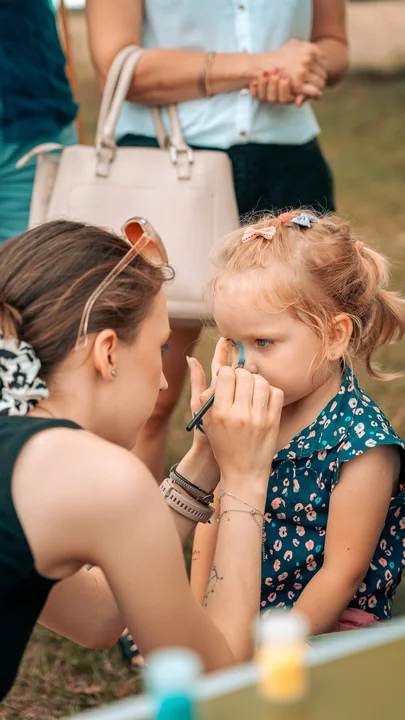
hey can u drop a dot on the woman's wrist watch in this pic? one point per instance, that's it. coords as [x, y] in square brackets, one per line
[187, 506]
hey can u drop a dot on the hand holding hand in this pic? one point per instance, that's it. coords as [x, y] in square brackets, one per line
[293, 73]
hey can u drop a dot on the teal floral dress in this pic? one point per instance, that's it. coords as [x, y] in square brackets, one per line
[304, 475]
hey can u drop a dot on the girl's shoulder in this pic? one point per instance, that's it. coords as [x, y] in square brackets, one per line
[367, 426]
[350, 424]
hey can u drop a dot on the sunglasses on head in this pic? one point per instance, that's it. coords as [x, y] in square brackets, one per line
[143, 240]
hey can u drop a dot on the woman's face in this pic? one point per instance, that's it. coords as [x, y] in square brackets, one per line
[139, 375]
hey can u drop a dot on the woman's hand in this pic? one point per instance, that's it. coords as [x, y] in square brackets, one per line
[243, 426]
[199, 385]
[276, 88]
[297, 70]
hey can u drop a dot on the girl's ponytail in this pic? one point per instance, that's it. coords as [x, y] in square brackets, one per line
[385, 321]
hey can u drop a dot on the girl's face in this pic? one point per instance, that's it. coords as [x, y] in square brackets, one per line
[283, 350]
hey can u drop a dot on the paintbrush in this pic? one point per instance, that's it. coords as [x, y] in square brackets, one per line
[197, 419]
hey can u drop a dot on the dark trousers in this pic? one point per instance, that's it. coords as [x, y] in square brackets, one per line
[273, 178]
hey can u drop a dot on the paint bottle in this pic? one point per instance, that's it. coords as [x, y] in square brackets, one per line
[282, 658]
[171, 678]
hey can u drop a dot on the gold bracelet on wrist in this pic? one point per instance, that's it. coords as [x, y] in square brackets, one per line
[204, 77]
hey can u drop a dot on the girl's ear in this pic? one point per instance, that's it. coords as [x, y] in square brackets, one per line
[339, 337]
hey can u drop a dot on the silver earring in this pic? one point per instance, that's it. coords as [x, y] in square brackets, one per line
[332, 355]
[113, 373]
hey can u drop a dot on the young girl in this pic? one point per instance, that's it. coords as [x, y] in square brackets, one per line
[306, 299]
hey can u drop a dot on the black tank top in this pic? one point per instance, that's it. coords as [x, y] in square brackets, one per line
[23, 592]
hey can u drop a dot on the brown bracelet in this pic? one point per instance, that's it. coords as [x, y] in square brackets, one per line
[204, 77]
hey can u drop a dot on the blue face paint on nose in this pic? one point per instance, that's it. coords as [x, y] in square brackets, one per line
[242, 359]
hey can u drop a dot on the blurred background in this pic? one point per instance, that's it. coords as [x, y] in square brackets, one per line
[363, 134]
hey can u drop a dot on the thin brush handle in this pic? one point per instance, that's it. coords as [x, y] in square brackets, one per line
[198, 416]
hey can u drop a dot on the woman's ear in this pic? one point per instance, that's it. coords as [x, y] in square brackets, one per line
[339, 337]
[104, 354]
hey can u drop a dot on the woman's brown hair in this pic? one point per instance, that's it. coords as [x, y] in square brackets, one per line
[48, 273]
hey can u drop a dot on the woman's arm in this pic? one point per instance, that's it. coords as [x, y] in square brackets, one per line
[121, 524]
[83, 609]
[162, 76]
[204, 546]
[358, 509]
[165, 76]
[330, 35]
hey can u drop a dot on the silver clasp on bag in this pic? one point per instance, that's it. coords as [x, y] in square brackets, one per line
[105, 153]
[182, 158]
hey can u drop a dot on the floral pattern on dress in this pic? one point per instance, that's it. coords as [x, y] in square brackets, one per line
[305, 473]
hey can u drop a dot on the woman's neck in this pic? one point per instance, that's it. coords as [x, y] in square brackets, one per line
[298, 415]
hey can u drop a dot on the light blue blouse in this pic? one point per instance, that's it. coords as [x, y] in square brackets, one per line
[227, 26]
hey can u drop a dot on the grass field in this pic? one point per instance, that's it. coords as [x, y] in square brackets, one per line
[363, 137]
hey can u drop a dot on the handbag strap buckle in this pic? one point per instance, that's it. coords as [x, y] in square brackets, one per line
[105, 153]
[183, 158]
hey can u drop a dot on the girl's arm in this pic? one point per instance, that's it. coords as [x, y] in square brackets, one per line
[357, 513]
[329, 34]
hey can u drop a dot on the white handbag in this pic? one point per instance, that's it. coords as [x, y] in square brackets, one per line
[188, 195]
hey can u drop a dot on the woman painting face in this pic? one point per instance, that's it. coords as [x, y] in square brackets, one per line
[139, 376]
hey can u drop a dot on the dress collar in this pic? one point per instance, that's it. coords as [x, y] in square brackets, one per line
[331, 425]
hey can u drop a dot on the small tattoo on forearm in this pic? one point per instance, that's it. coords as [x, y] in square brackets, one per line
[212, 583]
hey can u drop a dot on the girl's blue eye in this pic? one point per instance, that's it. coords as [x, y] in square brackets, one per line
[164, 348]
[264, 343]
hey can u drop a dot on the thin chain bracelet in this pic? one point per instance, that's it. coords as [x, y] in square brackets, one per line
[223, 492]
[253, 513]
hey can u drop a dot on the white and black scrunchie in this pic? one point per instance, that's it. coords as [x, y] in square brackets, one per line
[20, 386]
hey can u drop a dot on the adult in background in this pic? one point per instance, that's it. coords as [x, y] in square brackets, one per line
[243, 74]
[36, 103]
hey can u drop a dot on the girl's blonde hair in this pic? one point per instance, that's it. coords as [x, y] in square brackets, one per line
[320, 272]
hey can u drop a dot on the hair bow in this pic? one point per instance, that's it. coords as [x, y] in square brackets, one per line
[251, 233]
[304, 220]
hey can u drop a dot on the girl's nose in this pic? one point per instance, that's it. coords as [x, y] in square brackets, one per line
[250, 365]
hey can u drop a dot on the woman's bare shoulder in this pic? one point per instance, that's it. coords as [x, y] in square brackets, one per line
[61, 459]
[69, 487]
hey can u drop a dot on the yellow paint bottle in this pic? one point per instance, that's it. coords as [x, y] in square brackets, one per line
[282, 656]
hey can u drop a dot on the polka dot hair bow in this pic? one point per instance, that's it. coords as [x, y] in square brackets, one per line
[251, 233]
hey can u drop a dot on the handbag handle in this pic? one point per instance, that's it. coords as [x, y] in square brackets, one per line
[110, 86]
[117, 85]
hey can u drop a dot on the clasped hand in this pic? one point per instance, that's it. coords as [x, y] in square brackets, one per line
[293, 73]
